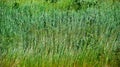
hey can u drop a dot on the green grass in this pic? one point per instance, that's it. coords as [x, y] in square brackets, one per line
[31, 36]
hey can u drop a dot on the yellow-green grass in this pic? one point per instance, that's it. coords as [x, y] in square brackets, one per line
[30, 36]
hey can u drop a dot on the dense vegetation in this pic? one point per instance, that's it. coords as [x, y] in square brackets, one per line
[59, 33]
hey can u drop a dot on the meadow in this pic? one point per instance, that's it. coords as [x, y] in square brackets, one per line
[40, 34]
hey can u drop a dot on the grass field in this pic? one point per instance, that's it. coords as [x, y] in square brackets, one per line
[32, 35]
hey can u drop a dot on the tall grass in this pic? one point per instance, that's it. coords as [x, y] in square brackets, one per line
[31, 36]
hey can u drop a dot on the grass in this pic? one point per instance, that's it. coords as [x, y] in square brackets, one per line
[31, 36]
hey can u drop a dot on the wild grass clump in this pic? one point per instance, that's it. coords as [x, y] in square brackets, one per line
[31, 35]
